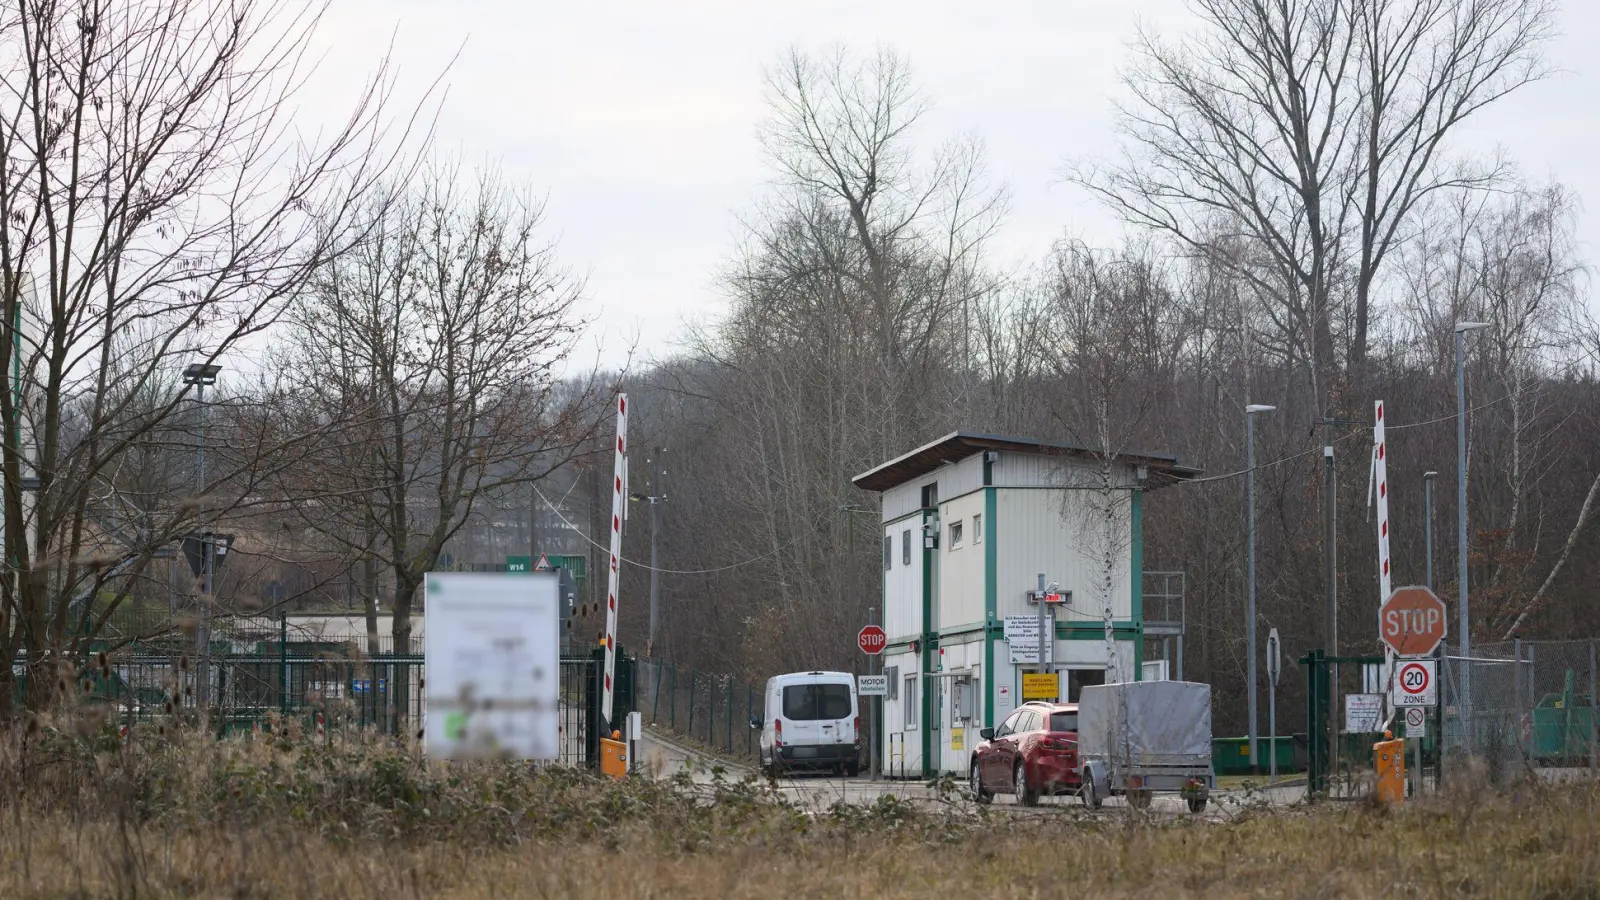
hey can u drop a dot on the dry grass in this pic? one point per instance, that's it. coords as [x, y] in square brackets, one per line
[176, 816]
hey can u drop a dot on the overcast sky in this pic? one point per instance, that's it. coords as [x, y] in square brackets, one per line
[638, 119]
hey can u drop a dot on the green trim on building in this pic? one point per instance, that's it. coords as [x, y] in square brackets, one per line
[991, 597]
[930, 644]
[1095, 631]
[1136, 583]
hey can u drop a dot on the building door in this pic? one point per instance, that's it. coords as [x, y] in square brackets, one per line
[1077, 679]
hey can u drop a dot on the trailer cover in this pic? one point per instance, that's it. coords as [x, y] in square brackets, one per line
[1146, 723]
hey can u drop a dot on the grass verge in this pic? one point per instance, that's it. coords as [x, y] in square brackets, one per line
[171, 814]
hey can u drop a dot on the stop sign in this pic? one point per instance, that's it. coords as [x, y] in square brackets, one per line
[1412, 621]
[871, 640]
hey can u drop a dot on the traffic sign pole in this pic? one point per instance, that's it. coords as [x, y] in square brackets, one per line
[1274, 667]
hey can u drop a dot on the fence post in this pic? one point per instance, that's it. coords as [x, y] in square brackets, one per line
[711, 715]
[691, 703]
[672, 698]
[1594, 713]
[655, 690]
[283, 662]
[749, 710]
[729, 691]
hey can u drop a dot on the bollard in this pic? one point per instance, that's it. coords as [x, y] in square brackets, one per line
[1389, 759]
[614, 756]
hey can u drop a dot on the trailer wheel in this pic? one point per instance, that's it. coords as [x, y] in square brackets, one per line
[1197, 805]
[1087, 792]
[1139, 799]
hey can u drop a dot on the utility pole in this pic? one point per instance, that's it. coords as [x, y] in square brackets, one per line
[1330, 577]
[1250, 412]
[655, 498]
[1427, 515]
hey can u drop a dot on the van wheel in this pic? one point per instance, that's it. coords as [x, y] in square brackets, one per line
[1197, 805]
[852, 769]
[1025, 795]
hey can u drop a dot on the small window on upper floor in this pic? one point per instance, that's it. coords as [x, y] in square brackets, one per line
[930, 495]
[905, 547]
[888, 552]
[955, 535]
[977, 529]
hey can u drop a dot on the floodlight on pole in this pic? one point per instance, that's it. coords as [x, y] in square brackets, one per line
[1250, 412]
[200, 375]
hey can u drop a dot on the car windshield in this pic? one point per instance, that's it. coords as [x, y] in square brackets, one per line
[1064, 721]
[809, 702]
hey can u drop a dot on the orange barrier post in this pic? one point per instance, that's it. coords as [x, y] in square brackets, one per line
[614, 756]
[1389, 758]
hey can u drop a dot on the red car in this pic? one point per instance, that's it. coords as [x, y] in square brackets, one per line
[1032, 753]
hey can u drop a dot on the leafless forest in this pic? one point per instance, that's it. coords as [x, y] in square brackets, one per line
[402, 391]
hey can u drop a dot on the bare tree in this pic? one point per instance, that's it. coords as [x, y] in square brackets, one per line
[1314, 128]
[156, 209]
[435, 347]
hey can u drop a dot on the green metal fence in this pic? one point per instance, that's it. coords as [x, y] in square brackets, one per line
[713, 710]
[309, 687]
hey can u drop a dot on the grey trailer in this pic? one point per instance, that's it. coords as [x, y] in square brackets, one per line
[1139, 737]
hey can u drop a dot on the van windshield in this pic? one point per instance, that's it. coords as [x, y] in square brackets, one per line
[809, 702]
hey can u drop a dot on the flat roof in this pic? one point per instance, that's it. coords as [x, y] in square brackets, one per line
[958, 445]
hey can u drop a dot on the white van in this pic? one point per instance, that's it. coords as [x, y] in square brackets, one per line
[812, 721]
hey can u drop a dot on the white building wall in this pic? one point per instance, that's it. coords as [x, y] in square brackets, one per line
[902, 598]
[902, 744]
[1039, 470]
[1060, 534]
[961, 570]
[963, 477]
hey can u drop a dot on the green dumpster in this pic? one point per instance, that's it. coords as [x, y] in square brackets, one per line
[1563, 726]
[1231, 756]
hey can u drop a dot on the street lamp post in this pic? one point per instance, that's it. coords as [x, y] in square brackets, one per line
[1250, 528]
[200, 375]
[1461, 508]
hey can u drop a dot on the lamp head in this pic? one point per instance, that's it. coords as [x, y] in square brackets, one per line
[1254, 408]
[1464, 327]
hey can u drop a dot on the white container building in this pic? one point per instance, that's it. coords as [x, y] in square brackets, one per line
[970, 521]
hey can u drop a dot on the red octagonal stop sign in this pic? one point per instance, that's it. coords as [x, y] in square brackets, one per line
[871, 640]
[1412, 621]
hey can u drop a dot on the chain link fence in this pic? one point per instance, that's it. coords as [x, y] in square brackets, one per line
[1521, 706]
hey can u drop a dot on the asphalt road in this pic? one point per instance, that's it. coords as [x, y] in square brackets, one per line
[663, 757]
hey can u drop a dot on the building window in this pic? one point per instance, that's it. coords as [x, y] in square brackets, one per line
[910, 697]
[892, 681]
[977, 529]
[930, 495]
[905, 547]
[888, 552]
[955, 535]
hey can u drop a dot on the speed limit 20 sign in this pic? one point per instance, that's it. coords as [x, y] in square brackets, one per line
[1415, 683]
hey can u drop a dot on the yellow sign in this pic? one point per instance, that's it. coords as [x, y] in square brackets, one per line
[1040, 687]
[958, 739]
